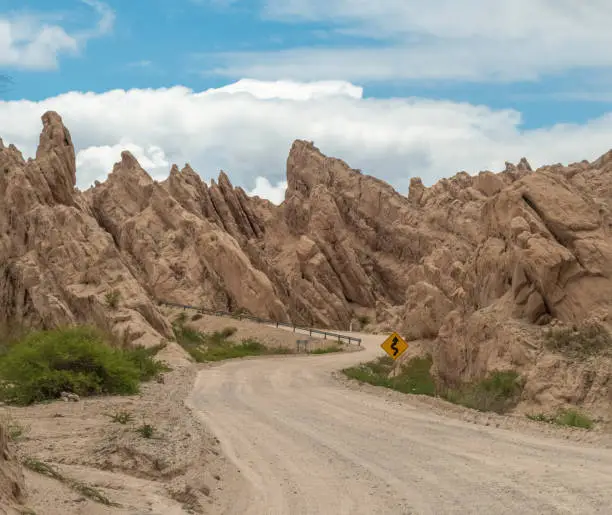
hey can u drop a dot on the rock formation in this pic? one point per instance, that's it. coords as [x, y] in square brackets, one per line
[480, 265]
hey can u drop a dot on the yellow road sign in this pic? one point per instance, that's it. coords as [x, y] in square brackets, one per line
[394, 345]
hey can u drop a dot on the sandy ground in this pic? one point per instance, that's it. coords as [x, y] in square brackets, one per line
[307, 442]
[179, 470]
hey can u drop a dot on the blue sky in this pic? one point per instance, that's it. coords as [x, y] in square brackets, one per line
[545, 64]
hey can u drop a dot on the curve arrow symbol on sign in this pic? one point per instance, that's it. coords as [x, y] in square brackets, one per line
[394, 346]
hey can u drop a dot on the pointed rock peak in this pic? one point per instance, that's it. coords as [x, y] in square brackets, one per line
[224, 180]
[509, 167]
[415, 190]
[55, 138]
[128, 160]
[2, 147]
[174, 170]
[302, 147]
[603, 160]
[191, 175]
[524, 165]
[129, 169]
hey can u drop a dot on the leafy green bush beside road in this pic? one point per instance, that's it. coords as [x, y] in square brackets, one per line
[43, 364]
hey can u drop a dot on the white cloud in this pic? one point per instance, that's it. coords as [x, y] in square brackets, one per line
[249, 135]
[97, 161]
[263, 189]
[290, 90]
[471, 40]
[29, 42]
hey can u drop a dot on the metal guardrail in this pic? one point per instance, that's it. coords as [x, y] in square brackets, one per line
[311, 331]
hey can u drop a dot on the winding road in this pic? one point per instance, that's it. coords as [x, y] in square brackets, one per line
[308, 445]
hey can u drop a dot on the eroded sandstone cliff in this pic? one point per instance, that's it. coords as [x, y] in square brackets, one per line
[479, 265]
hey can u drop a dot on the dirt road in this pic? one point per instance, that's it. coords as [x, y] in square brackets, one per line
[306, 444]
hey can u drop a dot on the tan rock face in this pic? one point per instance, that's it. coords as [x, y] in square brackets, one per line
[12, 485]
[477, 264]
[56, 262]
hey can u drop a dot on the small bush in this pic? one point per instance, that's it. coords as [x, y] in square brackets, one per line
[75, 359]
[499, 392]
[363, 320]
[539, 417]
[568, 417]
[112, 298]
[573, 418]
[579, 342]
[181, 318]
[146, 431]
[121, 417]
[197, 316]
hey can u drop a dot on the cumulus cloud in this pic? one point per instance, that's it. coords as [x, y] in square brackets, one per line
[29, 42]
[263, 189]
[247, 129]
[471, 40]
[97, 161]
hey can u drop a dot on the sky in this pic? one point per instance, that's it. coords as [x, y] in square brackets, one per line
[396, 88]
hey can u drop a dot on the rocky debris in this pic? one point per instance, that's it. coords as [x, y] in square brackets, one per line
[475, 264]
[69, 397]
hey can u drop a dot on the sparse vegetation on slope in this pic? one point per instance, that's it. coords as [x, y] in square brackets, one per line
[79, 360]
[85, 490]
[567, 417]
[327, 350]
[499, 392]
[216, 346]
[579, 342]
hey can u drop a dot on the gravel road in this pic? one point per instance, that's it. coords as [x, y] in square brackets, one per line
[306, 444]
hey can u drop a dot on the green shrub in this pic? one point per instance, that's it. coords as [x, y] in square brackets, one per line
[74, 359]
[121, 417]
[413, 377]
[146, 431]
[327, 350]
[112, 298]
[579, 342]
[498, 392]
[573, 418]
[363, 320]
[539, 417]
[216, 346]
[181, 318]
[567, 417]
